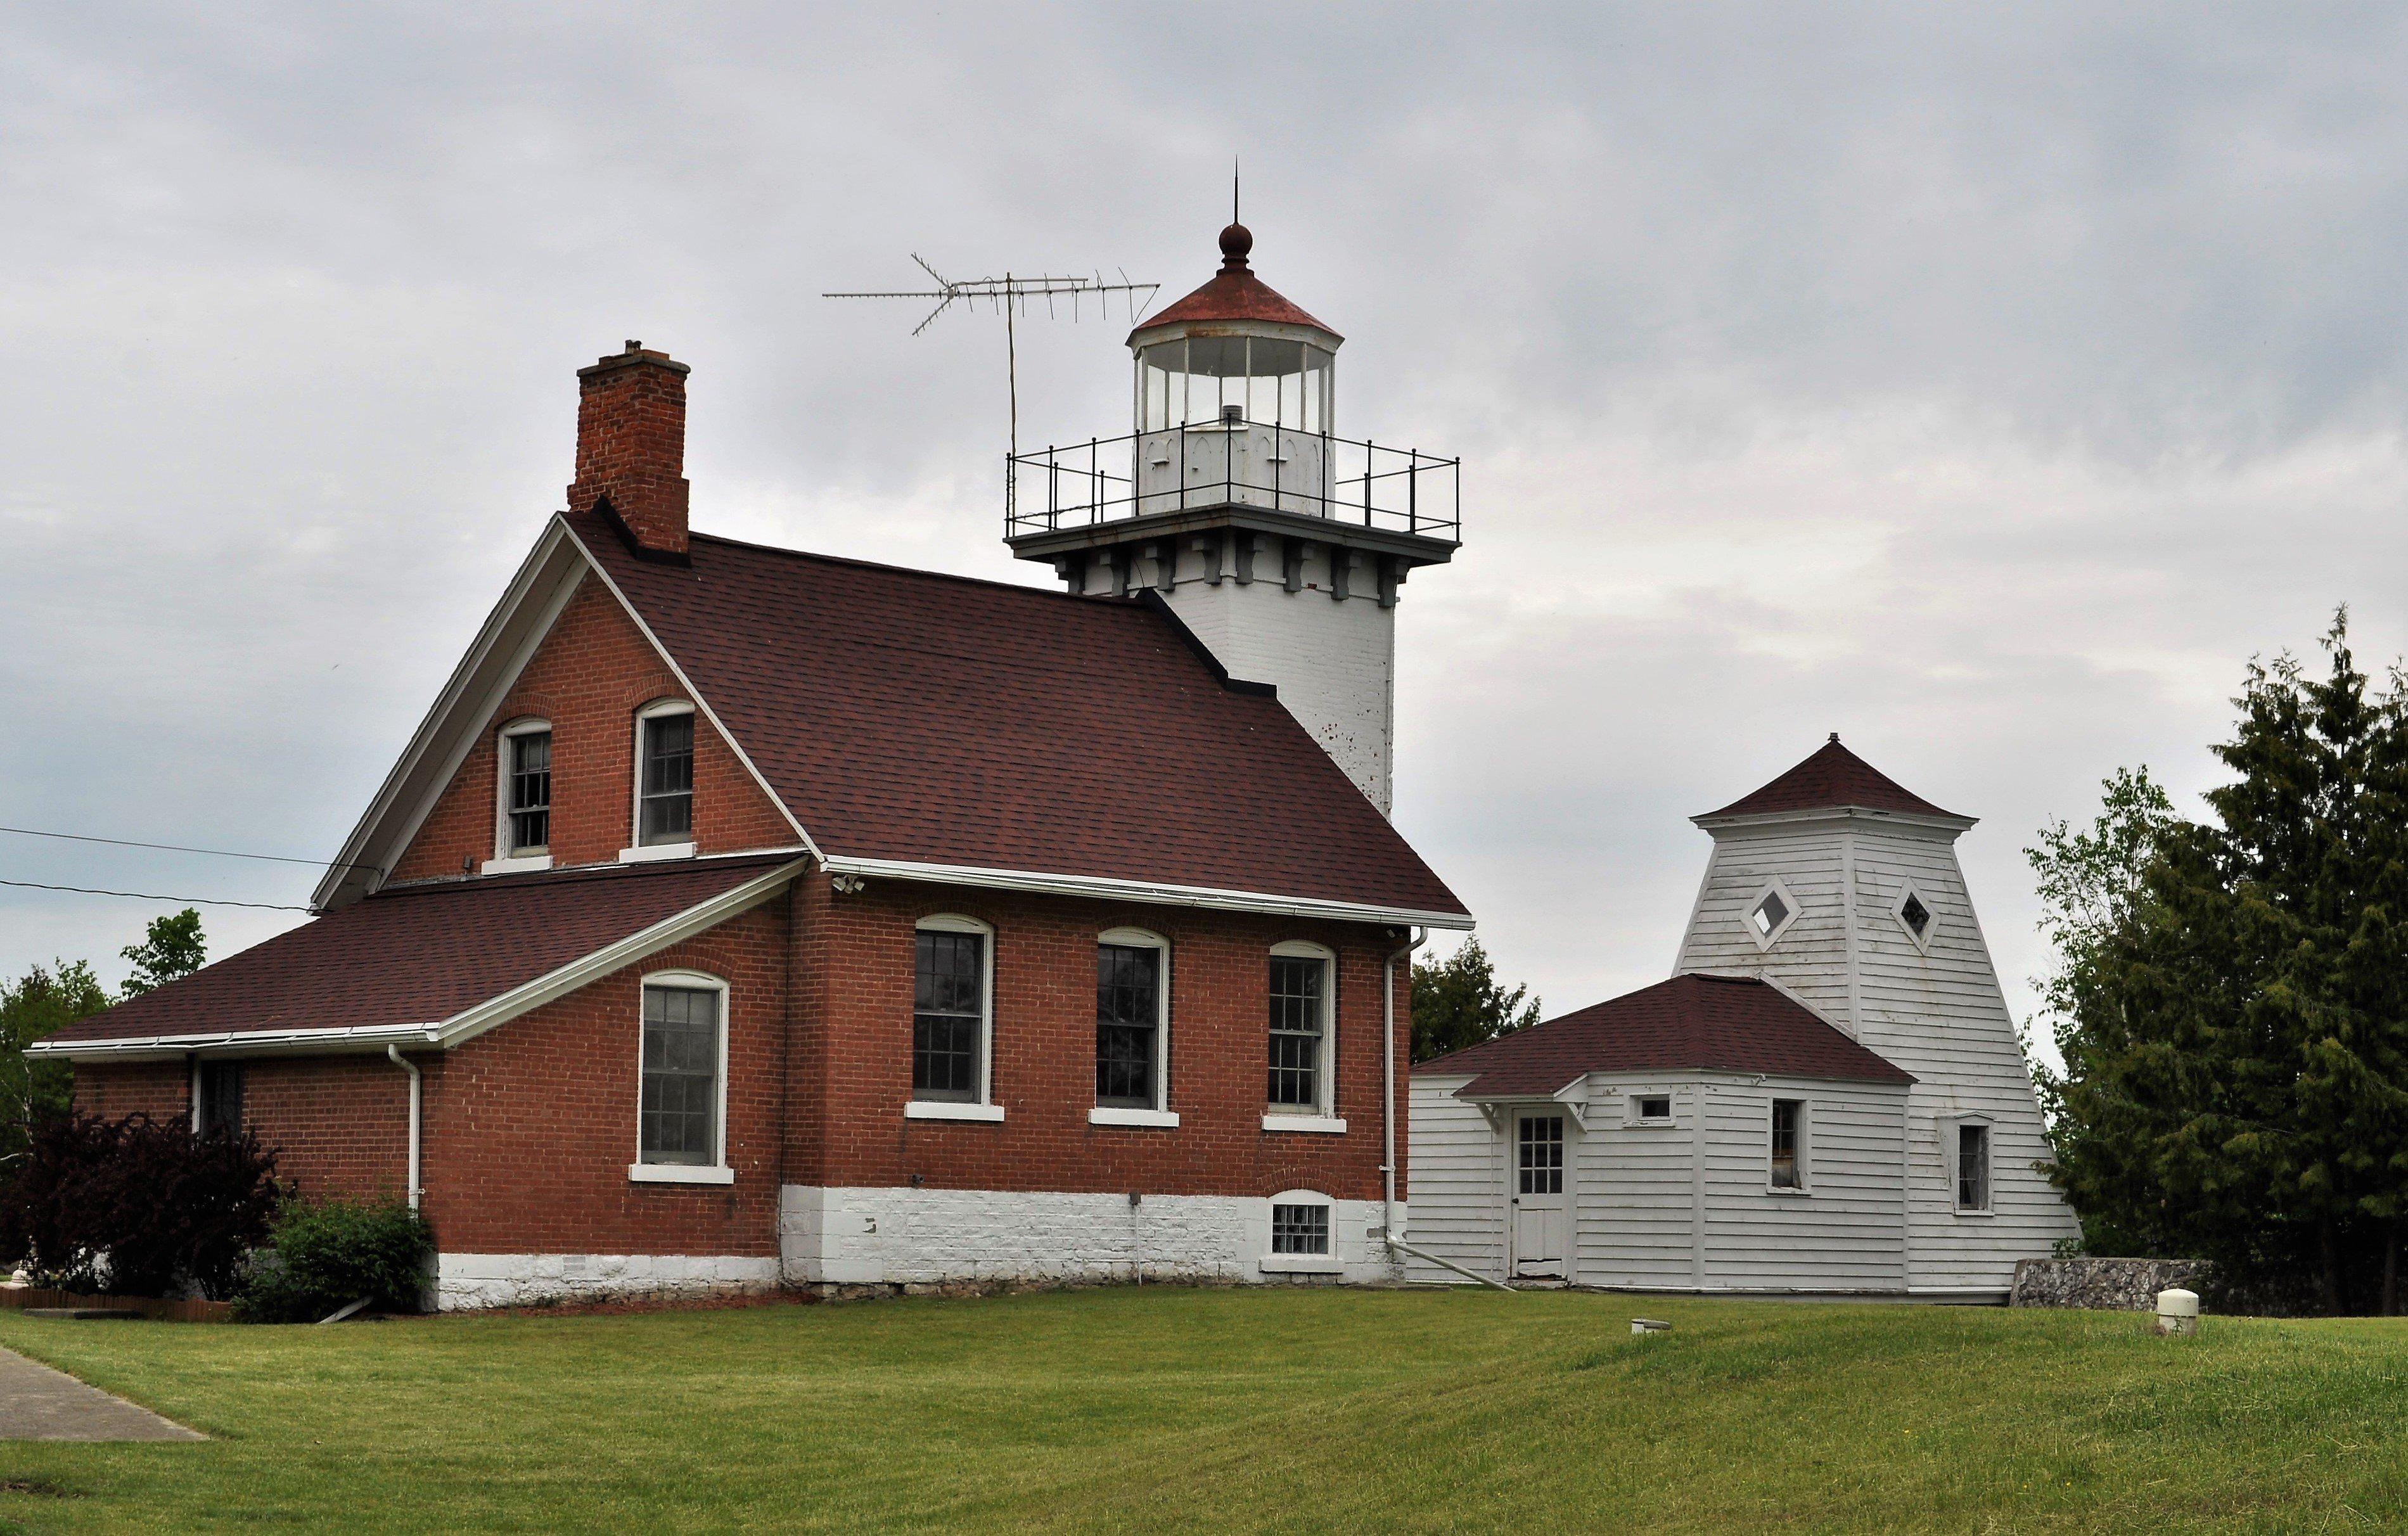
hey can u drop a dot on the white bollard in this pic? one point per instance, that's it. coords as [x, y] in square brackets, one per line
[2178, 1312]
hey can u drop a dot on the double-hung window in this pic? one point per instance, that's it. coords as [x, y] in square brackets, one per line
[1299, 1033]
[1132, 1017]
[526, 791]
[665, 776]
[949, 1013]
[681, 1112]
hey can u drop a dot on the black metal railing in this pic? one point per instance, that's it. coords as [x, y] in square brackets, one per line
[1212, 464]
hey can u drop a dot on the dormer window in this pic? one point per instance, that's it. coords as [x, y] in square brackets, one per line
[527, 814]
[665, 776]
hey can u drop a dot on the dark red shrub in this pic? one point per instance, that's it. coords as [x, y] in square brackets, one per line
[138, 1206]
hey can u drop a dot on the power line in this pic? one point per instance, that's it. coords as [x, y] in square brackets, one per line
[179, 848]
[147, 895]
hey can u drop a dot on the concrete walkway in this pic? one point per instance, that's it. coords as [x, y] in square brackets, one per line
[39, 1404]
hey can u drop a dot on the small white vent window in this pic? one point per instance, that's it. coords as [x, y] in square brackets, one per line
[1915, 916]
[1770, 913]
[1652, 1109]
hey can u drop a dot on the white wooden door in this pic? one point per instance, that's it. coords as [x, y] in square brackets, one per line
[1541, 1211]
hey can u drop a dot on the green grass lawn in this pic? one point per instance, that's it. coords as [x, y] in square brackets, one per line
[1218, 1410]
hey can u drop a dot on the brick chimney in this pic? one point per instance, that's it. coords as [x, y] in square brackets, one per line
[631, 447]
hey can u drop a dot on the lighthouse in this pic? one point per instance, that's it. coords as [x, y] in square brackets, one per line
[1234, 502]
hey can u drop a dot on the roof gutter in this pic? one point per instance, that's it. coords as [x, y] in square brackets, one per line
[1106, 888]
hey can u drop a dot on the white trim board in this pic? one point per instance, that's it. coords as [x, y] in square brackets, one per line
[1108, 888]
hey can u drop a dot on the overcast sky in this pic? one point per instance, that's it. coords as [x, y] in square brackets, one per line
[1987, 387]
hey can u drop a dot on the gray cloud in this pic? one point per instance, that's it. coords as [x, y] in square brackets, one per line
[1983, 385]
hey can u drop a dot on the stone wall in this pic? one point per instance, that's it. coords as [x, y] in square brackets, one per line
[2104, 1285]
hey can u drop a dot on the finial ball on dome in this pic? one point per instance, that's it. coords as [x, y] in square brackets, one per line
[1235, 241]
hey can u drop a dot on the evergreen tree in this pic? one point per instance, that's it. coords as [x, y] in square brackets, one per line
[2232, 999]
[172, 949]
[1457, 1002]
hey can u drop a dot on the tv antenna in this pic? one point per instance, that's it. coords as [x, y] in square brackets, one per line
[1011, 295]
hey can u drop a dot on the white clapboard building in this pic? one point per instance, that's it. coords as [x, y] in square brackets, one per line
[1828, 1096]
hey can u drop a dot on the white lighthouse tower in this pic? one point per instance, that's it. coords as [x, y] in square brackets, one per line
[1282, 546]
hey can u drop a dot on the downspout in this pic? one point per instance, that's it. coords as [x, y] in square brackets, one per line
[417, 1083]
[1388, 1098]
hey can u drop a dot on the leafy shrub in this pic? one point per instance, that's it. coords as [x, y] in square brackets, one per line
[325, 1254]
[138, 1206]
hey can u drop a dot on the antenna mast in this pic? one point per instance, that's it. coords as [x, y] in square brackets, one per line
[1011, 295]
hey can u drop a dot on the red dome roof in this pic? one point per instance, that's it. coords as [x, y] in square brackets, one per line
[1234, 293]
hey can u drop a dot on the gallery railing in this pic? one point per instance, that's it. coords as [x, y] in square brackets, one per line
[1233, 462]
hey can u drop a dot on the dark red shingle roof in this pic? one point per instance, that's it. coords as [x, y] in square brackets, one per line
[1719, 1023]
[1234, 293]
[934, 719]
[1832, 778]
[421, 954]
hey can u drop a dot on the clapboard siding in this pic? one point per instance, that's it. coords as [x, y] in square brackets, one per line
[1936, 1010]
[1843, 1232]
[1634, 1219]
[1455, 1175]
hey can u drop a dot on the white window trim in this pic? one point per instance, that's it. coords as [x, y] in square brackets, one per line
[1636, 1121]
[983, 1107]
[505, 861]
[1950, 1125]
[1326, 1124]
[1159, 1114]
[1323, 1114]
[949, 1109]
[1104, 1115]
[637, 851]
[716, 1171]
[1922, 942]
[1776, 886]
[1805, 1184]
[1328, 1263]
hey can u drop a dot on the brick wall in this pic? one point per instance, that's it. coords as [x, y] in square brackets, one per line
[530, 1126]
[590, 676]
[338, 1124]
[161, 1089]
[852, 1071]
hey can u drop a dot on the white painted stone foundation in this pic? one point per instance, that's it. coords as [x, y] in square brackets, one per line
[899, 1236]
[465, 1282]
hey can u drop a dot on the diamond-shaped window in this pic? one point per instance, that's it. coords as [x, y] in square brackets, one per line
[1770, 913]
[1915, 914]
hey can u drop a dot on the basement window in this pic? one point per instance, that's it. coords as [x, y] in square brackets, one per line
[1300, 1229]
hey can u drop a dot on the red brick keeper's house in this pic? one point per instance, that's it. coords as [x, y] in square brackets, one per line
[742, 917]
